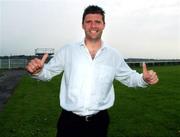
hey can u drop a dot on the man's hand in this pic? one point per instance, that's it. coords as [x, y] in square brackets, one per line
[149, 76]
[35, 65]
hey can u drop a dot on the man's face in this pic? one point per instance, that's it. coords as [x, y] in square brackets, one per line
[93, 26]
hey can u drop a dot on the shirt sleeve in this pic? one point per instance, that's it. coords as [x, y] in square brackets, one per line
[54, 67]
[127, 76]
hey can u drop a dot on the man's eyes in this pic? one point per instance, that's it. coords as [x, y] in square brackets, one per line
[88, 21]
[98, 22]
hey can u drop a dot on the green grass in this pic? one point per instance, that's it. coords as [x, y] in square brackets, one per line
[150, 112]
[33, 110]
[1, 71]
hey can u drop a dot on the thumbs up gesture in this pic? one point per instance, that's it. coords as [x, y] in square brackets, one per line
[149, 76]
[35, 65]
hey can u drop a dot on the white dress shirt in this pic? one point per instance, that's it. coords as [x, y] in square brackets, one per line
[87, 84]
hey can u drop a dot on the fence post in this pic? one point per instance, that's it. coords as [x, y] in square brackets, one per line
[9, 63]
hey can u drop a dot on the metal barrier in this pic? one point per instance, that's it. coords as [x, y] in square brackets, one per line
[153, 63]
[10, 63]
[16, 63]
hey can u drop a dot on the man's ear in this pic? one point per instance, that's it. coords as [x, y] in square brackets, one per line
[104, 26]
[82, 26]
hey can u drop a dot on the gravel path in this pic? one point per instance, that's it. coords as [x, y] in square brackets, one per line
[8, 81]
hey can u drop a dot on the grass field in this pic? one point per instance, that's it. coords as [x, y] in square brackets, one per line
[1, 71]
[33, 110]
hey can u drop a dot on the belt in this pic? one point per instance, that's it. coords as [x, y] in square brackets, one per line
[87, 118]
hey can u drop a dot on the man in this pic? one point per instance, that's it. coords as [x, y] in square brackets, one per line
[89, 68]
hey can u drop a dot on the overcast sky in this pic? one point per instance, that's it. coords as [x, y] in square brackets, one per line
[137, 28]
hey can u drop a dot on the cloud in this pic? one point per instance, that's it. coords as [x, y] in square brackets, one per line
[149, 25]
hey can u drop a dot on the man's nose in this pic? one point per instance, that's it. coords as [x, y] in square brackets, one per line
[93, 25]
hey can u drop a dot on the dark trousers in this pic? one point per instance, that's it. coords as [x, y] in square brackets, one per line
[72, 125]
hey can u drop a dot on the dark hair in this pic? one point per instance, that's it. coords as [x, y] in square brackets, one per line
[93, 9]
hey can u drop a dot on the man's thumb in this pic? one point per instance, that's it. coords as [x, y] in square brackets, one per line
[44, 58]
[145, 70]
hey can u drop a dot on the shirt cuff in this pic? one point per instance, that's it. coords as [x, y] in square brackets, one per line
[36, 75]
[144, 83]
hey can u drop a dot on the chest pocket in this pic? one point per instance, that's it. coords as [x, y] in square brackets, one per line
[105, 74]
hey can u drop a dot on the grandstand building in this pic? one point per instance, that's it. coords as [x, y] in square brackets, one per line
[41, 51]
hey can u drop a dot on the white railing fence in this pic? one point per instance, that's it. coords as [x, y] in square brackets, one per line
[9, 63]
[20, 63]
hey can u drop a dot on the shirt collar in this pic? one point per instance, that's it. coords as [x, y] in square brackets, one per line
[82, 43]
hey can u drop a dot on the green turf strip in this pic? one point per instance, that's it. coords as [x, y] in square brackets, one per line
[33, 109]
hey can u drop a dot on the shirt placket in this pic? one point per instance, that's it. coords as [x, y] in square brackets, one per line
[88, 102]
[87, 82]
[88, 89]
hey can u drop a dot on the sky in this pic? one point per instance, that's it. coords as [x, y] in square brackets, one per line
[136, 28]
